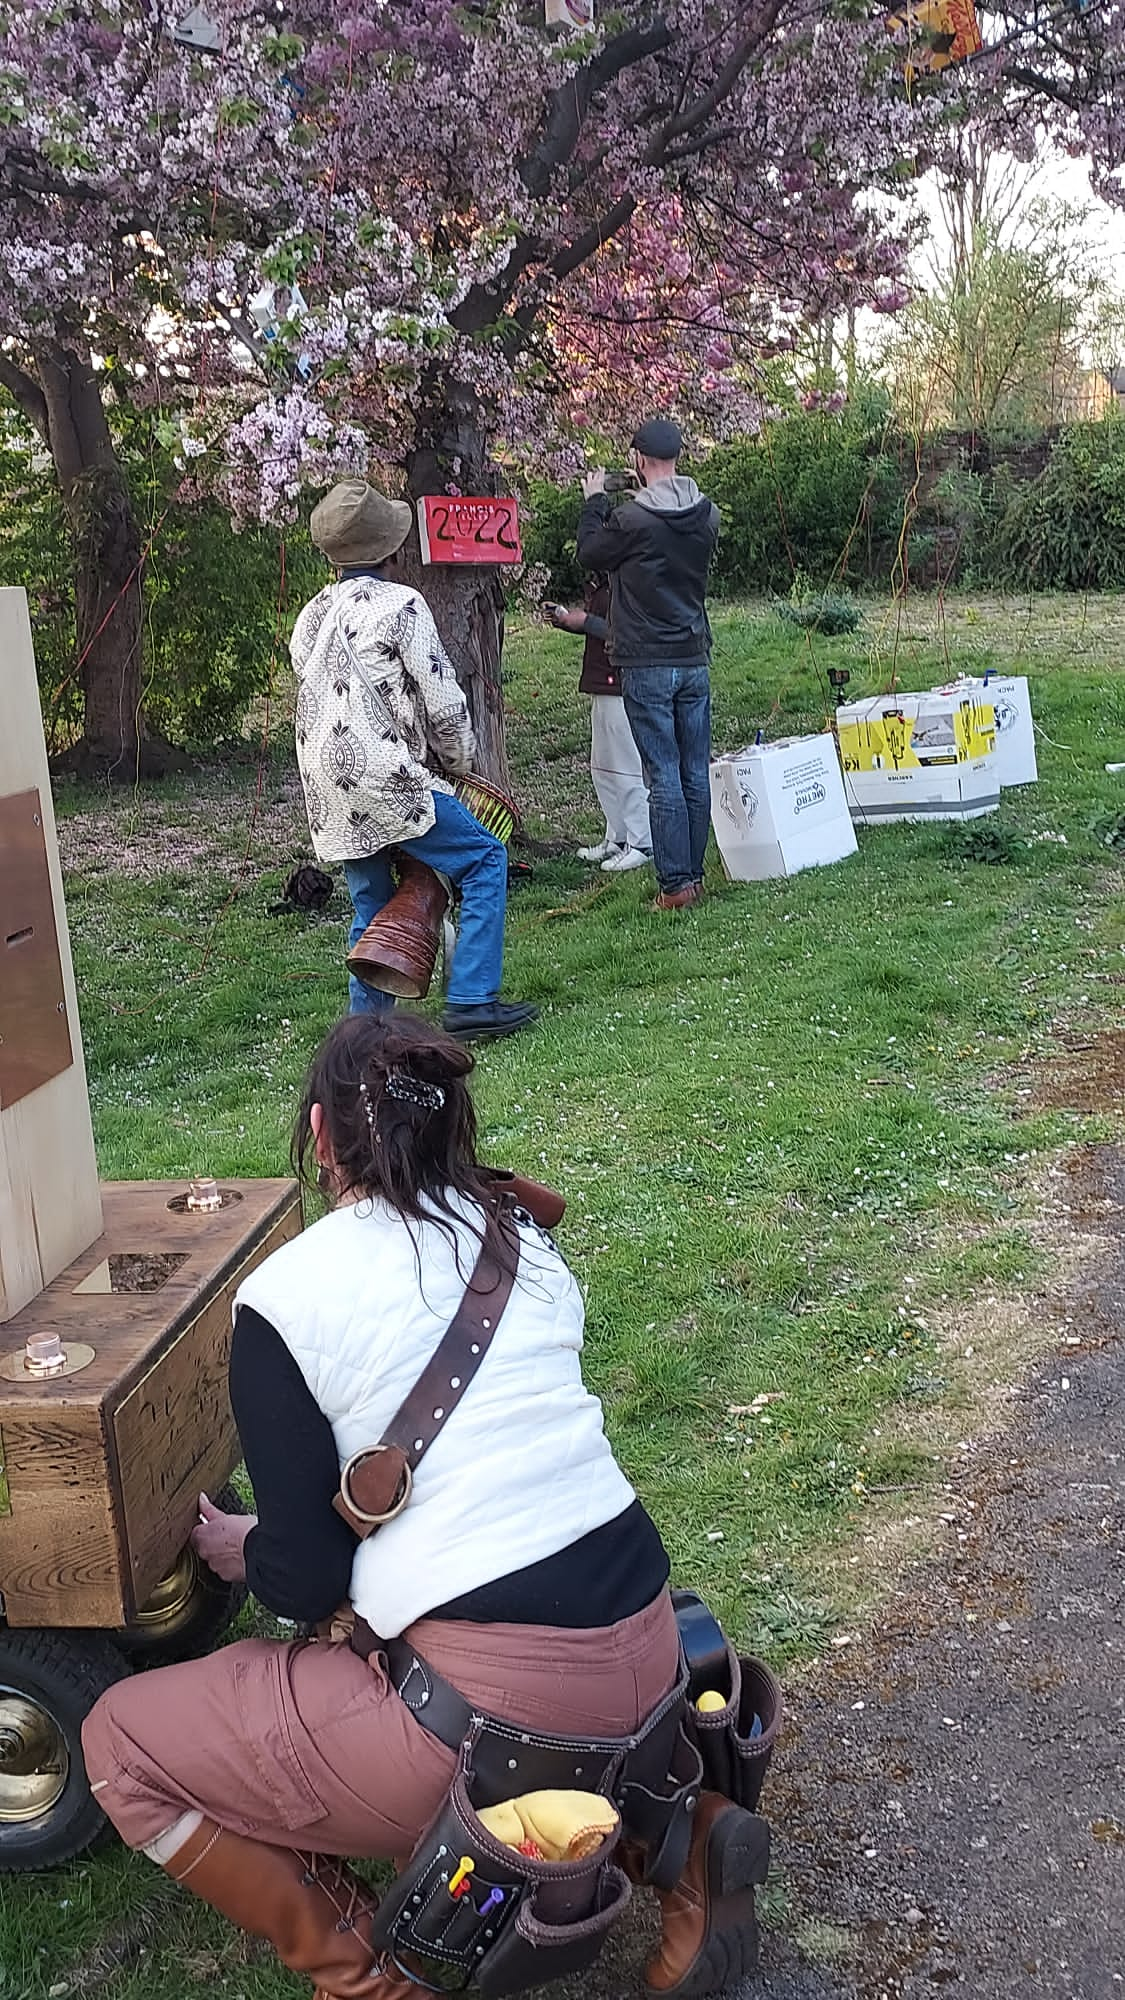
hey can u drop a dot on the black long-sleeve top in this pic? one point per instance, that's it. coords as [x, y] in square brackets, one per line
[299, 1556]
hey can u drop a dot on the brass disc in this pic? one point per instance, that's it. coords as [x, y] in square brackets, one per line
[34, 1763]
[78, 1356]
[173, 1593]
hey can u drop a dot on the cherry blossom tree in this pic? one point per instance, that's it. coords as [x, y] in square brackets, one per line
[431, 237]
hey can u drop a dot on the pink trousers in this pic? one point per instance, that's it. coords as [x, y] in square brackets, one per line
[308, 1746]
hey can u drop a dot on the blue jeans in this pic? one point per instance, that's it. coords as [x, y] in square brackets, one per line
[457, 846]
[669, 711]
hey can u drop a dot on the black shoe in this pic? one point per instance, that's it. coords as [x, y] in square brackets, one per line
[488, 1021]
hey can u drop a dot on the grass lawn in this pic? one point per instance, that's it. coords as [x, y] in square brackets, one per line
[786, 1124]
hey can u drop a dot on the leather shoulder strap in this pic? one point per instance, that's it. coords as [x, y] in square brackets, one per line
[376, 1482]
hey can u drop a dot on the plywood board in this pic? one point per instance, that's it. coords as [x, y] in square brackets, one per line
[49, 1203]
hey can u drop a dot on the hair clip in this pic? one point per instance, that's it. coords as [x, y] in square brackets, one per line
[414, 1090]
[368, 1107]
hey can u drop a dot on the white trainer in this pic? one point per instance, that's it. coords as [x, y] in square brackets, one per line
[601, 852]
[625, 859]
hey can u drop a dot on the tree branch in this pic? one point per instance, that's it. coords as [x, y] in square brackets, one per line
[25, 390]
[696, 114]
[598, 234]
[561, 133]
[570, 104]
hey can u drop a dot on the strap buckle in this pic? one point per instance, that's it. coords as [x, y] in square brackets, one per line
[402, 1496]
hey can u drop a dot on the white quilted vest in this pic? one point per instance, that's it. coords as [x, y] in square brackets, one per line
[522, 1469]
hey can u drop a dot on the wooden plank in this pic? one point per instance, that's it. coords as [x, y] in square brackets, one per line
[61, 1560]
[174, 1433]
[49, 1202]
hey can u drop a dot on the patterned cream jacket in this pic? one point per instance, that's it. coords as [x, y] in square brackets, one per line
[376, 697]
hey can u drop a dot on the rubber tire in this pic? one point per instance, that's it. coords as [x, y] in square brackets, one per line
[214, 1606]
[66, 1672]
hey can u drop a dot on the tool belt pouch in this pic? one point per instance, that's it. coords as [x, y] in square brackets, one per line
[550, 1921]
[736, 1743]
[659, 1796]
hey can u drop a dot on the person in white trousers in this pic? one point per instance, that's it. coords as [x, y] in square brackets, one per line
[615, 763]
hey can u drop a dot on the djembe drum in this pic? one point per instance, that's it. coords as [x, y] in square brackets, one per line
[398, 950]
[496, 812]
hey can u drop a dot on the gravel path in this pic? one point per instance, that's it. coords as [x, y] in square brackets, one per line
[952, 1794]
[949, 1800]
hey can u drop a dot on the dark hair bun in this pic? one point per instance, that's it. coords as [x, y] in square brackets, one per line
[402, 1041]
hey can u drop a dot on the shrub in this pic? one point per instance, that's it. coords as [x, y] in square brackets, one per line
[829, 614]
[1066, 529]
[813, 493]
[550, 526]
[213, 616]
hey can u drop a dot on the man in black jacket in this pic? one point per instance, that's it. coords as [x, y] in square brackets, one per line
[656, 549]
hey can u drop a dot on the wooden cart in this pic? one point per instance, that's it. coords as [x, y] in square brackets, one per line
[115, 1325]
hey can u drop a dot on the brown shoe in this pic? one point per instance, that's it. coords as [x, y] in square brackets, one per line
[709, 1933]
[314, 1912]
[679, 899]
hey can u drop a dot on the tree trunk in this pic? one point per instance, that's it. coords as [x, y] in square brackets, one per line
[106, 545]
[467, 600]
[108, 567]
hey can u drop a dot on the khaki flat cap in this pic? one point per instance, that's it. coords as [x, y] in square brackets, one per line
[355, 523]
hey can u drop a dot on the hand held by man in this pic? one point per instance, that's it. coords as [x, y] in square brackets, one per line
[220, 1540]
[566, 620]
[593, 482]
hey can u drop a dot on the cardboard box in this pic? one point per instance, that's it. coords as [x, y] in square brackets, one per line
[779, 807]
[1015, 726]
[919, 756]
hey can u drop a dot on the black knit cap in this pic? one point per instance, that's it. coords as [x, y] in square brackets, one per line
[659, 438]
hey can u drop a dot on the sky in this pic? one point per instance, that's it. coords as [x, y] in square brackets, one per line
[1058, 178]
[1061, 179]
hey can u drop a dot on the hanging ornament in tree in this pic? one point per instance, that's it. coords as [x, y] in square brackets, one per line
[273, 307]
[198, 31]
[570, 13]
[937, 32]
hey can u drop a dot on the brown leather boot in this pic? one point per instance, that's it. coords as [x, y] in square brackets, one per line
[709, 1933]
[313, 1911]
[679, 899]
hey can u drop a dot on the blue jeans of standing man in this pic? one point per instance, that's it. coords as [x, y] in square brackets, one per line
[457, 846]
[669, 711]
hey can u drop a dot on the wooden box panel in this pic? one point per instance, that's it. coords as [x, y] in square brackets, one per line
[174, 1434]
[101, 1469]
[34, 1033]
[49, 1205]
[60, 1547]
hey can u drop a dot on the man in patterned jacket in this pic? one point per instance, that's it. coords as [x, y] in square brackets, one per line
[380, 717]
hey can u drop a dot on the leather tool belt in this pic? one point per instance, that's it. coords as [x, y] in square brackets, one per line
[468, 1911]
[528, 1922]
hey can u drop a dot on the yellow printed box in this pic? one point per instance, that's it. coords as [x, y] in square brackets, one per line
[919, 756]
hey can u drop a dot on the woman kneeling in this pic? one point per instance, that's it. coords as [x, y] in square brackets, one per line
[523, 1568]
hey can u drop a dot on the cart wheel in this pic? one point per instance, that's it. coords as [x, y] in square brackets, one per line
[188, 1610]
[49, 1682]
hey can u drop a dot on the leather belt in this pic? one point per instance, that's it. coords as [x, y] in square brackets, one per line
[435, 1702]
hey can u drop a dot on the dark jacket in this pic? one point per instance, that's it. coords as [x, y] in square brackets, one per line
[657, 550]
[598, 676]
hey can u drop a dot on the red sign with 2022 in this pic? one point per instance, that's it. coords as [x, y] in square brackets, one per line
[463, 530]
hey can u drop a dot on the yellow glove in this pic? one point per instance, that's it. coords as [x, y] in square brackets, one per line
[552, 1826]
